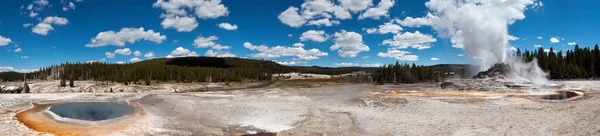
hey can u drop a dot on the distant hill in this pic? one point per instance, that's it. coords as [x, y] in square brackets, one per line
[185, 69]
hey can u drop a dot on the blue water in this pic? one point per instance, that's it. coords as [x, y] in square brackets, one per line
[92, 111]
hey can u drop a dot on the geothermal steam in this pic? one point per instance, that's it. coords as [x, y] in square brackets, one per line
[481, 28]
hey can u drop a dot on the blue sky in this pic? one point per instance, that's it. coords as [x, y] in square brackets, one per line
[262, 22]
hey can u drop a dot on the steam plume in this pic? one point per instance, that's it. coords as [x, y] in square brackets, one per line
[481, 28]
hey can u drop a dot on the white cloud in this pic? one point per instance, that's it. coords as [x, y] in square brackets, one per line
[55, 20]
[281, 51]
[385, 28]
[537, 46]
[178, 12]
[572, 43]
[72, 5]
[356, 5]
[9, 69]
[414, 40]
[205, 42]
[27, 25]
[554, 40]
[125, 51]
[298, 45]
[212, 53]
[512, 49]
[136, 59]
[341, 13]
[182, 24]
[313, 35]
[24, 57]
[291, 17]
[32, 14]
[323, 22]
[137, 53]
[42, 29]
[539, 37]
[120, 62]
[150, 55]
[460, 55]
[348, 44]
[18, 50]
[434, 59]
[345, 64]
[380, 10]
[228, 26]
[293, 63]
[110, 55]
[179, 52]
[417, 22]
[4, 41]
[46, 25]
[399, 55]
[193, 54]
[512, 38]
[126, 35]
[364, 57]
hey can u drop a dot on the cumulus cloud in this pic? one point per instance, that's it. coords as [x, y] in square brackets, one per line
[322, 12]
[385, 29]
[281, 51]
[554, 40]
[45, 26]
[572, 43]
[417, 22]
[345, 64]
[18, 50]
[137, 53]
[323, 22]
[24, 57]
[414, 40]
[179, 52]
[193, 54]
[228, 26]
[205, 42]
[120, 62]
[434, 59]
[291, 17]
[181, 24]
[125, 35]
[298, 45]
[150, 55]
[398, 54]
[212, 53]
[348, 44]
[539, 37]
[110, 55]
[512, 38]
[380, 10]
[125, 51]
[356, 5]
[136, 59]
[27, 25]
[4, 41]
[179, 14]
[537, 46]
[313, 35]
[292, 62]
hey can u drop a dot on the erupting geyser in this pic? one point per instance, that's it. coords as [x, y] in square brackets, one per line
[480, 27]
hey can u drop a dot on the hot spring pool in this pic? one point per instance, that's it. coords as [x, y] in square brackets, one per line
[92, 111]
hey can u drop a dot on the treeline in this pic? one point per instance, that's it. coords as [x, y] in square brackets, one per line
[575, 63]
[186, 69]
[405, 73]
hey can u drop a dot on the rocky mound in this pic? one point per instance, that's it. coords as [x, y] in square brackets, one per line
[498, 70]
[499, 78]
